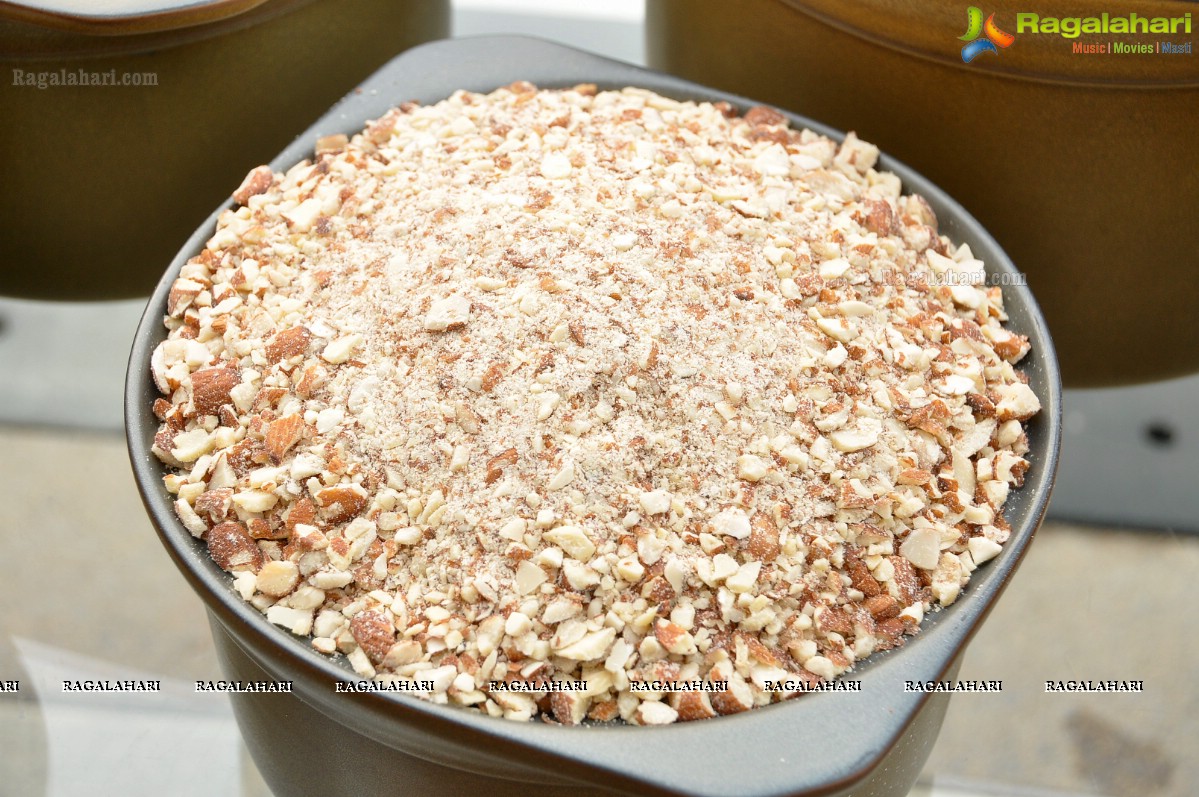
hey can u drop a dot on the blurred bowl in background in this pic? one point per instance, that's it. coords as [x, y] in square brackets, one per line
[102, 182]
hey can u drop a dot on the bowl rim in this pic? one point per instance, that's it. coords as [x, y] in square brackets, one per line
[832, 740]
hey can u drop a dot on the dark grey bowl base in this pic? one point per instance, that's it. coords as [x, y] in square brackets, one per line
[363, 765]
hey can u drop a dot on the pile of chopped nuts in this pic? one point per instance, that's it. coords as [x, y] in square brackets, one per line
[590, 386]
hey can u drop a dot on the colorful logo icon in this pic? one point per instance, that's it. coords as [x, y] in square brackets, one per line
[991, 35]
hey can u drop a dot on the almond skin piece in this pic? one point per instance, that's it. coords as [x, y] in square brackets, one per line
[906, 579]
[302, 511]
[215, 503]
[566, 707]
[981, 405]
[914, 476]
[232, 547]
[374, 633]
[211, 386]
[256, 182]
[288, 344]
[1013, 348]
[604, 711]
[732, 702]
[492, 376]
[692, 706]
[314, 377]
[341, 501]
[668, 633]
[760, 651]
[763, 542]
[246, 455]
[835, 620]
[891, 630]
[284, 433]
[879, 218]
[261, 529]
[496, 465]
[763, 115]
[267, 398]
[882, 607]
[181, 295]
[860, 577]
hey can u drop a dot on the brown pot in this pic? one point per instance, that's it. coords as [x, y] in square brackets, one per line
[1081, 165]
[103, 182]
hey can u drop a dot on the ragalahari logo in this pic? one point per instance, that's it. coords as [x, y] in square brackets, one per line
[982, 37]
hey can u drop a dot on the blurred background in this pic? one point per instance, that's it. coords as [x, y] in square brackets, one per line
[92, 215]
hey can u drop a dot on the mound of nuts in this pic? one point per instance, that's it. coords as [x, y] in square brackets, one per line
[601, 387]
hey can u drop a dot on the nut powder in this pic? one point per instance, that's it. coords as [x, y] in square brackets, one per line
[590, 386]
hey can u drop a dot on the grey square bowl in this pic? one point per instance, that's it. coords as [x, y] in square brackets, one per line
[317, 741]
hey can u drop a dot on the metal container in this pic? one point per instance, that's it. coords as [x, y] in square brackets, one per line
[1079, 164]
[102, 181]
[871, 742]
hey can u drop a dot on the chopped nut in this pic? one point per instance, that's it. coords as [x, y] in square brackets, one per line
[374, 633]
[745, 578]
[676, 640]
[573, 540]
[763, 543]
[655, 713]
[849, 440]
[562, 478]
[1016, 401]
[569, 708]
[556, 166]
[258, 181]
[283, 434]
[922, 548]
[751, 468]
[232, 547]
[529, 577]
[656, 502]
[739, 697]
[452, 312]
[255, 500]
[591, 647]
[983, 550]
[496, 465]
[191, 521]
[341, 502]
[339, 350]
[298, 621]
[630, 569]
[733, 523]
[211, 386]
[332, 143]
[692, 706]
[882, 607]
[302, 217]
[277, 578]
[287, 344]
